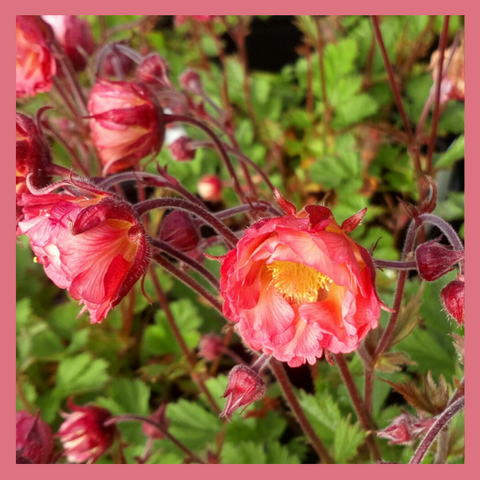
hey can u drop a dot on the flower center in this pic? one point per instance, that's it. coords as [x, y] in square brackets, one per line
[298, 283]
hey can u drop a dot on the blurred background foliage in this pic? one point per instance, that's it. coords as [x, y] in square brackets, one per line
[339, 143]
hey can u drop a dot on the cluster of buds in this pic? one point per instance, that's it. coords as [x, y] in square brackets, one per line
[84, 435]
[34, 439]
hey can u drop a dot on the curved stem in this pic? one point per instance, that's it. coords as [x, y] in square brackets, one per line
[189, 355]
[281, 376]
[218, 145]
[187, 280]
[130, 417]
[396, 265]
[442, 421]
[165, 247]
[189, 207]
[358, 405]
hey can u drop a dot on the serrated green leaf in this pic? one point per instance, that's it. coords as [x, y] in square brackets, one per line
[243, 453]
[347, 440]
[356, 109]
[455, 152]
[80, 374]
[280, 455]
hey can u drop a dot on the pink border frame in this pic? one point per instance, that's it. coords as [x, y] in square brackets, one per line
[234, 472]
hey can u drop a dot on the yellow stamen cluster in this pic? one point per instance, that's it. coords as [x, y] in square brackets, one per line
[298, 283]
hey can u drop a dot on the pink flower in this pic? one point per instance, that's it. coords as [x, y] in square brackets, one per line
[74, 35]
[126, 123]
[209, 187]
[34, 439]
[93, 245]
[244, 387]
[35, 64]
[296, 285]
[453, 299]
[405, 429]
[83, 433]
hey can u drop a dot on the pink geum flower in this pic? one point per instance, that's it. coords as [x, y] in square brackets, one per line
[74, 35]
[35, 64]
[296, 285]
[244, 387]
[93, 244]
[405, 429]
[83, 433]
[453, 299]
[126, 123]
[34, 439]
[33, 156]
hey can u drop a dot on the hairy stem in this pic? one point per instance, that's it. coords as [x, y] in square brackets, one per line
[442, 421]
[281, 376]
[358, 405]
[395, 265]
[130, 417]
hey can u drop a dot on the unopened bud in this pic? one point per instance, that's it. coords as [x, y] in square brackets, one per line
[244, 387]
[453, 299]
[154, 70]
[405, 429]
[34, 439]
[83, 433]
[117, 64]
[190, 81]
[179, 230]
[160, 417]
[181, 150]
[209, 187]
[435, 260]
[210, 347]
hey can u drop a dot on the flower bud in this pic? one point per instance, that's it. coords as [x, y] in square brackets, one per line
[209, 187]
[179, 230]
[83, 433]
[154, 70]
[35, 64]
[244, 387]
[435, 260]
[405, 429]
[34, 439]
[453, 299]
[160, 417]
[126, 123]
[181, 150]
[210, 347]
[116, 63]
[74, 35]
[190, 81]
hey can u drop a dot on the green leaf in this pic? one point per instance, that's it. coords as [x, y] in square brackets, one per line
[192, 424]
[455, 152]
[80, 374]
[356, 109]
[347, 440]
[269, 428]
[280, 455]
[243, 453]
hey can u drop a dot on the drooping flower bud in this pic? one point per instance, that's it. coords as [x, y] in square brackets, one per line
[179, 230]
[93, 244]
[435, 260]
[74, 35]
[160, 417]
[126, 123]
[83, 433]
[210, 346]
[190, 81]
[116, 63]
[181, 150]
[209, 187]
[35, 64]
[244, 387]
[34, 439]
[453, 299]
[155, 71]
[405, 429]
